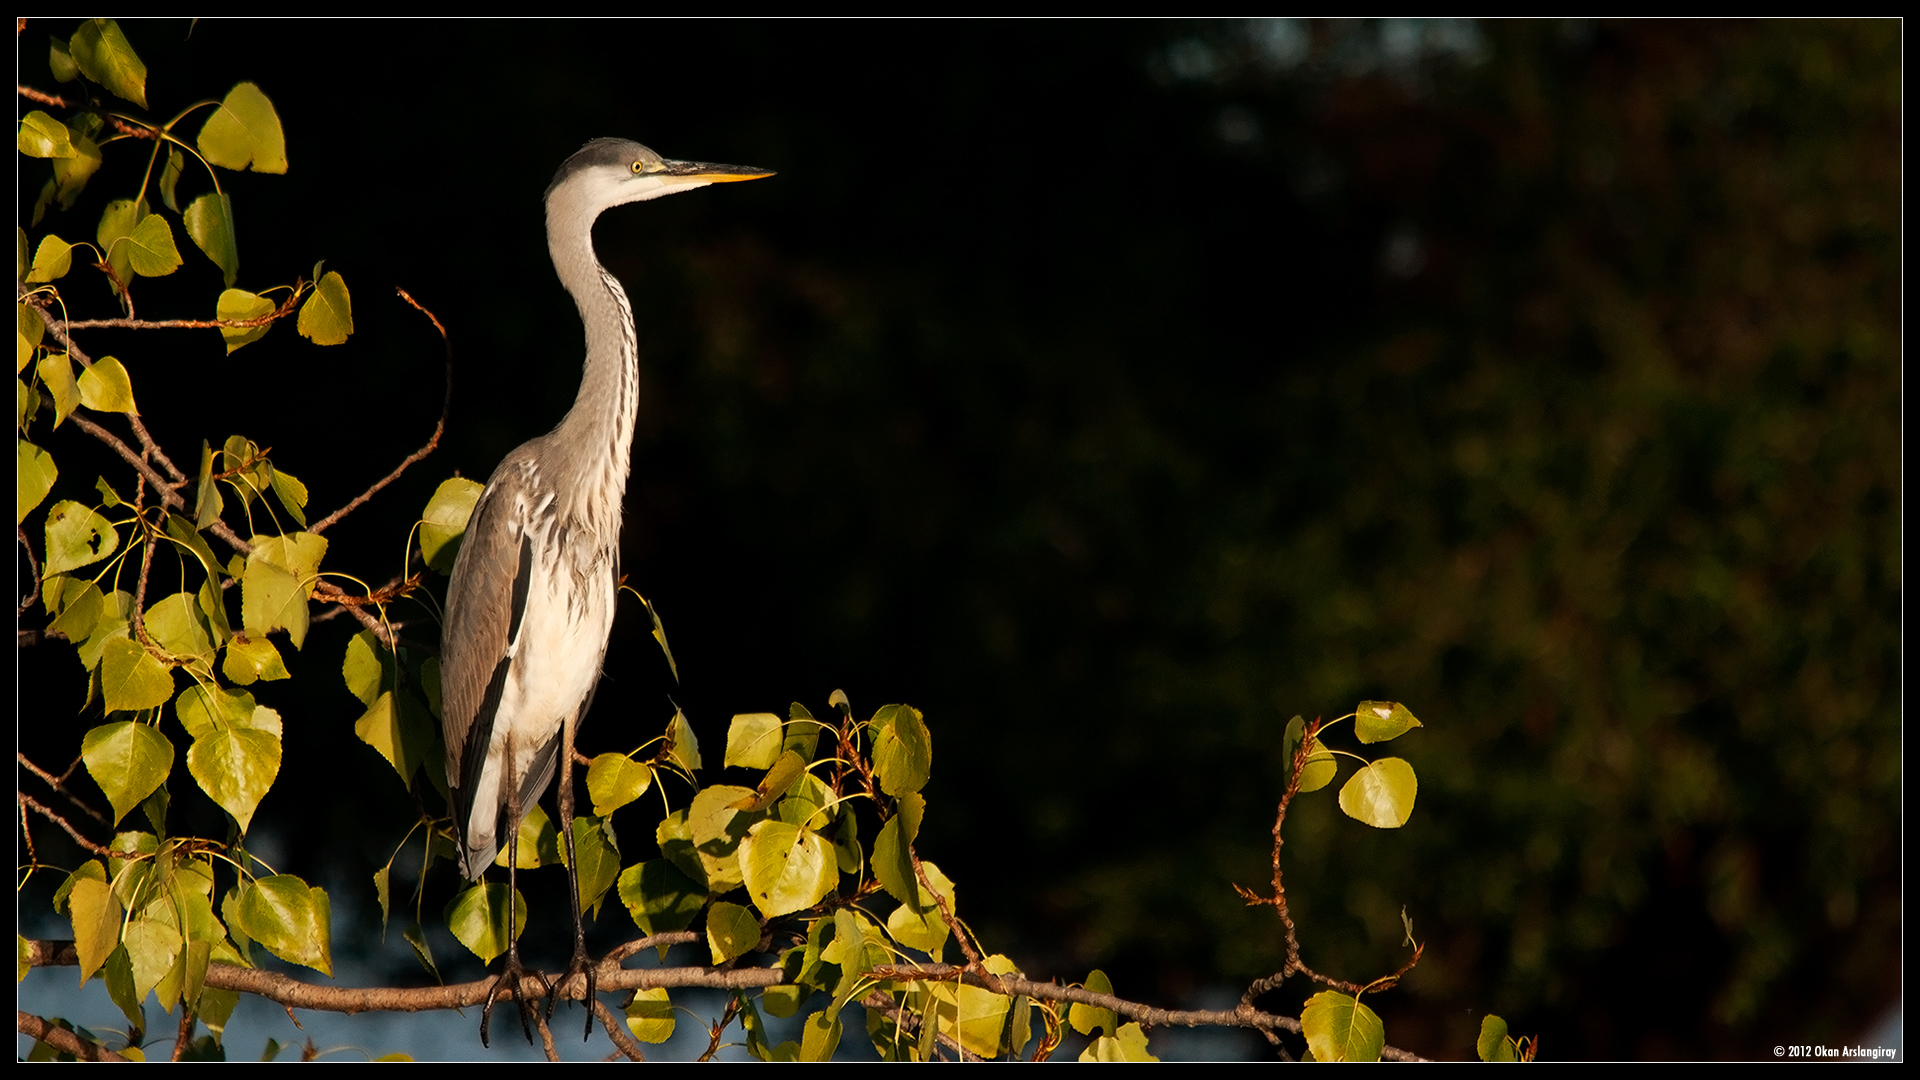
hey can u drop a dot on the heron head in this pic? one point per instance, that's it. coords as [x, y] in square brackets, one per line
[609, 172]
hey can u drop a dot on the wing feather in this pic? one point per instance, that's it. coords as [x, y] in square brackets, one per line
[486, 599]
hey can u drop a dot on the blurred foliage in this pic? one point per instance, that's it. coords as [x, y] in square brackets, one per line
[1599, 451]
[1103, 388]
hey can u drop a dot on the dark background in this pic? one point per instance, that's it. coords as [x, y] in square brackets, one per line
[1112, 393]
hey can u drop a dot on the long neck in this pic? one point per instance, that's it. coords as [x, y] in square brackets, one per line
[598, 430]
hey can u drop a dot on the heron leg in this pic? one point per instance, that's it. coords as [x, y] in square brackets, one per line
[513, 974]
[581, 964]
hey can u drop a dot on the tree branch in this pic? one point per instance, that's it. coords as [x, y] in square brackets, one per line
[63, 1040]
[610, 976]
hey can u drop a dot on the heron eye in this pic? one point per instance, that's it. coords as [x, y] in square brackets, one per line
[638, 168]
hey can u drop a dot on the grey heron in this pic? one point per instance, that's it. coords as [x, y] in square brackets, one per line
[532, 595]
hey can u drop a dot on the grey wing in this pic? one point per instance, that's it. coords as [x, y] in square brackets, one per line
[485, 600]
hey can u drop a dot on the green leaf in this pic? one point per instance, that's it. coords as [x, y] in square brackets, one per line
[806, 795]
[650, 1015]
[786, 868]
[153, 947]
[732, 931]
[892, 862]
[537, 843]
[684, 746]
[327, 316]
[70, 175]
[1381, 794]
[209, 221]
[921, 925]
[131, 679]
[820, 1036]
[251, 660]
[394, 726]
[32, 328]
[1130, 1044]
[614, 780]
[170, 178]
[1087, 1019]
[712, 817]
[1493, 1044]
[675, 838]
[1320, 767]
[80, 608]
[445, 521]
[753, 740]
[278, 580]
[803, 732]
[292, 495]
[397, 726]
[659, 897]
[76, 537]
[236, 765]
[51, 261]
[204, 708]
[36, 476]
[599, 861]
[975, 1017]
[177, 625]
[783, 1000]
[128, 761]
[116, 612]
[42, 136]
[368, 669]
[660, 635]
[207, 506]
[293, 920]
[786, 769]
[245, 130]
[755, 1031]
[239, 304]
[60, 59]
[117, 223]
[1381, 721]
[903, 750]
[56, 374]
[104, 387]
[1340, 1028]
[95, 912]
[150, 248]
[102, 53]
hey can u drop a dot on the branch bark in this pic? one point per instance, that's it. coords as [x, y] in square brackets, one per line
[293, 993]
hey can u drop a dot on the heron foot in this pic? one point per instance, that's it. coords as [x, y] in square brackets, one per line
[581, 966]
[512, 976]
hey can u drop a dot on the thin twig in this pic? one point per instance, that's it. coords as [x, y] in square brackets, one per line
[616, 1030]
[44, 98]
[58, 783]
[32, 564]
[184, 1038]
[974, 961]
[879, 1002]
[546, 1035]
[287, 307]
[446, 405]
[28, 802]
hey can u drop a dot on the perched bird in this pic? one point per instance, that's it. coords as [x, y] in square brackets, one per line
[532, 596]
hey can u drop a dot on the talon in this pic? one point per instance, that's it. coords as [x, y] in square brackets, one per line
[513, 975]
[584, 967]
